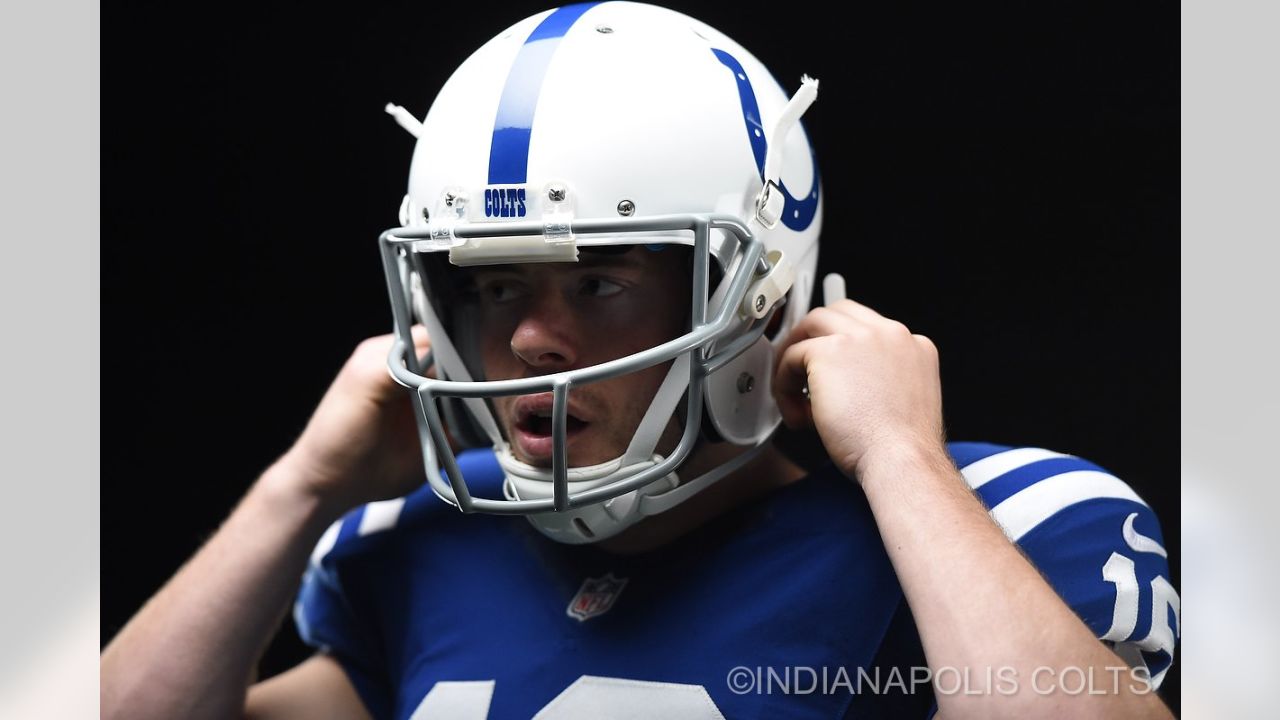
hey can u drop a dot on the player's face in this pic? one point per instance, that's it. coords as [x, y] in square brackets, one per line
[537, 319]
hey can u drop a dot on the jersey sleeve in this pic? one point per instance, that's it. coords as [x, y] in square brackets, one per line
[327, 620]
[359, 562]
[1093, 539]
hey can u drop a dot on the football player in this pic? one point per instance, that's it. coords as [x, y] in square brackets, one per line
[600, 286]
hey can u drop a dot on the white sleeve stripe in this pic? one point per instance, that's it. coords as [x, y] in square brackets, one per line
[989, 468]
[380, 515]
[326, 542]
[1023, 511]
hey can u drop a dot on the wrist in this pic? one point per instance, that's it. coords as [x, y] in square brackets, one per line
[905, 458]
[290, 483]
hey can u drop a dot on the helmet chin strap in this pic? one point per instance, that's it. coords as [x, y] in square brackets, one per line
[594, 523]
[590, 523]
[598, 521]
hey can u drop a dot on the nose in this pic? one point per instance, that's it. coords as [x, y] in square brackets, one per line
[545, 337]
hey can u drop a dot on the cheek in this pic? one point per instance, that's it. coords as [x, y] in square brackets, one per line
[646, 319]
[490, 349]
[495, 354]
[632, 393]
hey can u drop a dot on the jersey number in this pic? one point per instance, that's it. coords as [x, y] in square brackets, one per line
[588, 696]
[1122, 572]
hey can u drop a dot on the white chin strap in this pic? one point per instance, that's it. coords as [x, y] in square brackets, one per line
[598, 521]
[590, 523]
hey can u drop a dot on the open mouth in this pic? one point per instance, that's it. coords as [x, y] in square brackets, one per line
[539, 424]
[533, 426]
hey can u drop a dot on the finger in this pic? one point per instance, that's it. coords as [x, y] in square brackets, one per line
[422, 346]
[367, 373]
[790, 379]
[420, 337]
[818, 322]
[855, 309]
[373, 357]
[930, 349]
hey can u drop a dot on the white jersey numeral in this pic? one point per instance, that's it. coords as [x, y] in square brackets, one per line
[457, 700]
[1122, 572]
[588, 696]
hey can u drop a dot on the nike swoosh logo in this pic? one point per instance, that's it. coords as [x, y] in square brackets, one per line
[1140, 542]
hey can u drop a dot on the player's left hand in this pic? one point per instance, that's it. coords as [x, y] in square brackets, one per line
[873, 386]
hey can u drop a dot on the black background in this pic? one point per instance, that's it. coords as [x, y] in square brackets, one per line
[1004, 180]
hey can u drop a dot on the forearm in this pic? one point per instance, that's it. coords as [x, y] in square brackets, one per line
[980, 605]
[191, 650]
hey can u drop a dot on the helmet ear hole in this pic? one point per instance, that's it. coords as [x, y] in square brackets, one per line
[582, 528]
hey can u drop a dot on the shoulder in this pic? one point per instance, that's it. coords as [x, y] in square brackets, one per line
[385, 549]
[1091, 536]
[364, 530]
[1025, 487]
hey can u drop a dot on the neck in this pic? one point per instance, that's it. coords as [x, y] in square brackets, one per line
[767, 472]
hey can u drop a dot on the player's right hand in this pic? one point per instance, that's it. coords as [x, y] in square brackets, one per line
[361, 443]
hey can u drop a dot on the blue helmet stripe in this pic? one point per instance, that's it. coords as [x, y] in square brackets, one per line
[797, 214]
[509, 149]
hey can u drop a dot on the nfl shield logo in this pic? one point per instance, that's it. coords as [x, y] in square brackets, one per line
[595, 597]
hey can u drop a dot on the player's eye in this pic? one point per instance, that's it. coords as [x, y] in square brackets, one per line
[599, 287]
[501, 291]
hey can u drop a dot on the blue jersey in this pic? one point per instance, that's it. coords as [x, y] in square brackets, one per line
[785, 607]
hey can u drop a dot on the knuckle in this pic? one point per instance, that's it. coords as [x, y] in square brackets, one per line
[896, 329]
[822, 314]
[844, 343]
[927, 346]
[861, 333]
[370, 348]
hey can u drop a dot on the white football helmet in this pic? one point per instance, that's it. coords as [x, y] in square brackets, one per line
[605, 124]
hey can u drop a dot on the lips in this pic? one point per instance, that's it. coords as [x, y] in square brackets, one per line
[533, 427]
[541, 424]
